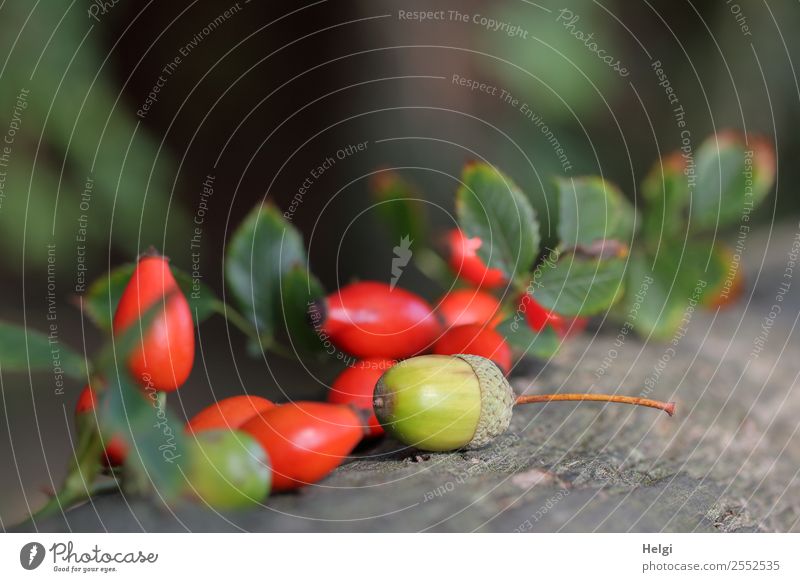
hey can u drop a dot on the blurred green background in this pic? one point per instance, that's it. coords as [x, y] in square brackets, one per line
[261, 94]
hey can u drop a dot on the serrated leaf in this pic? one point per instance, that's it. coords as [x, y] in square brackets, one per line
[400, 207]
[261, 252]
[578, 286]
[732, 178]
[592, 209]
[523, 339]
[299, 288]
[24, 349]
[491, 207]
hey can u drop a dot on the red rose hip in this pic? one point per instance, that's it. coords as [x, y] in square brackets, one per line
[464, 260]
[372, 320]
[164, 357]
[230, 413]
[355, 386]
[465, 306]
[537, 316]
[305, 440]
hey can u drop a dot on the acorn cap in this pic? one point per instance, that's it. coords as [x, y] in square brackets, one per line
[497, 400]
[444, 403]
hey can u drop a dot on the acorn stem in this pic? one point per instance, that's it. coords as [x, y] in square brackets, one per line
[668, 407]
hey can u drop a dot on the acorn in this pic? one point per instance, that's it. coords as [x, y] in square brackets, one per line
[446, 403]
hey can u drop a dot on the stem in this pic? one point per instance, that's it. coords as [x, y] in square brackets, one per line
[668, 407]
[236, 319]
[280, 350]
[79, 483]
[239, 322]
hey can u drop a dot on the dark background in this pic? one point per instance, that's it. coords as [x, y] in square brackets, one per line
[277, 88]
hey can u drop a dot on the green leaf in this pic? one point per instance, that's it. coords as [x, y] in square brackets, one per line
[522, 338]
[202, 300]
[103, 295]
[300, 288]
[662, 294]
[433, 266]
[138, 416]
[23, 350]
[652, 305]
[261, 252]
[722, 274]
[592, 209]
[491, 207]
[155, 439]
[578, 286]
[666, 194]
[75, 114]
[400, 207]
[732, 178]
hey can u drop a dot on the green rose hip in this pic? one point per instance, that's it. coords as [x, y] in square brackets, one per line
[227, 469]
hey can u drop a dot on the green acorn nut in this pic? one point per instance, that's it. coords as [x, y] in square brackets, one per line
[444, 403]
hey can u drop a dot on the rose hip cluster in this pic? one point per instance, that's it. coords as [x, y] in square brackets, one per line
[296, 443]
[433, 379]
